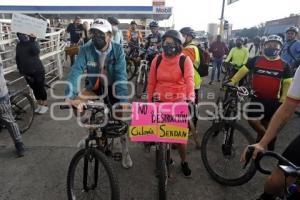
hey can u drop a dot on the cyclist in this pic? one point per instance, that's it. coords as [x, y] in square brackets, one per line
[290, 52]
[117, 34]
[271, 78]
[134, 38]
[245, 42]
[275, 183]
[6, 116]
[218, 49]
[153, 41]
[100, 56]
[191, 50]
[170, 83]
[256, 43]
[238, 55]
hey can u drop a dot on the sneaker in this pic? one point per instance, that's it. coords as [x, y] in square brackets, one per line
[126, 160]
[38, 108]
[210, 83]
[219, 80]
[43, 110]
[20, 149]
[185, 169]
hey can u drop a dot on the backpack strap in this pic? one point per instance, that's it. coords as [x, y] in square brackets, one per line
[158, 61]
[181, 62]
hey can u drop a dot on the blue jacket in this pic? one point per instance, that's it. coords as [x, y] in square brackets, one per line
[295, 51]
[88, 60]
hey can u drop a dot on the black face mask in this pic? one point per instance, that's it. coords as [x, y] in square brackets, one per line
[99, 42]
[171, 50]
[239, 45]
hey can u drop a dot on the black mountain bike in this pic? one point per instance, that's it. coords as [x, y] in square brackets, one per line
[224, 141]
[90, 174]
[291, 192]
[22, 106]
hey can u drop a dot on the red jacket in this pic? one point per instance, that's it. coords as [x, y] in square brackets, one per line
[168, 83]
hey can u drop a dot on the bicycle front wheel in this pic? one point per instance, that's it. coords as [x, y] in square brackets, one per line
[162, 171]
[222, 159]
[22, 106]
[141, 83]
[90, 176]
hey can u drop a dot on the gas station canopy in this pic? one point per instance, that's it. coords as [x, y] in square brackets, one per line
[91, 12]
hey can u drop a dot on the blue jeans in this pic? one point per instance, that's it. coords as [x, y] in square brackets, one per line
[217, 63]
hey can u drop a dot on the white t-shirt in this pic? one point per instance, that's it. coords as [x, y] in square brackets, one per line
[294, 90]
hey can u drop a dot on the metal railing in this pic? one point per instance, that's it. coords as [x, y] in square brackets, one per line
[52, 54]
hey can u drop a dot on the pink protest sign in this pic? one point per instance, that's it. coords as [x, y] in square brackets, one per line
[142, 128]
[159, 122]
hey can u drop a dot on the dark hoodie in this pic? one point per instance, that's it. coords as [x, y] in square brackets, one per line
[27, 57]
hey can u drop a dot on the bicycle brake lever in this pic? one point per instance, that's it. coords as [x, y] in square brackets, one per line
[249, 154]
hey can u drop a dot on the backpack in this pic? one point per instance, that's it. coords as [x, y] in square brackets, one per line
[204, 61]
[181, 63]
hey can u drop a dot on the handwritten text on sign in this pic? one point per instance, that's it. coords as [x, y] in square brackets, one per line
[28, 25]
[159, 122]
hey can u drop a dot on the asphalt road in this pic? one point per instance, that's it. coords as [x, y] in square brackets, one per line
[50, 144]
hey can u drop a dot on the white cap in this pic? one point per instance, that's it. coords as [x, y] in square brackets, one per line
[102, 25]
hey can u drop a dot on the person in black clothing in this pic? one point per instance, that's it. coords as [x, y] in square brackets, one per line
[75, 30]
[153, 42]
[30, 65]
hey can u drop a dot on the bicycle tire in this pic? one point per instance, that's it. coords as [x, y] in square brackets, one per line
[131, 73]
[140, 87]
[101, 160]
[245, 177]
[18, 109]
[162, 172]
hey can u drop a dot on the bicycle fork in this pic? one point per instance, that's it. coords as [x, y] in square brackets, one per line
[227, 140]
[88, 160]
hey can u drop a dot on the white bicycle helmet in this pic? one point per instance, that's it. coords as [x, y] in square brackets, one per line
[275, 38]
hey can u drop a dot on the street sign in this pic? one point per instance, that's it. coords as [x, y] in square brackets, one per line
[231, 1]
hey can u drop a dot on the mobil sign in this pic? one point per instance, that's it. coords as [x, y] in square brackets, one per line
[162, 10]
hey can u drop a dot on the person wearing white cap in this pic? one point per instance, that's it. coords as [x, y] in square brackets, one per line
[101, 56]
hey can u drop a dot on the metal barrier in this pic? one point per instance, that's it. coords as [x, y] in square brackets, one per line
[52, 54]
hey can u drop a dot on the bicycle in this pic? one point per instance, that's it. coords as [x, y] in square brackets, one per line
[22, 106]
[227, 138]
[133, 61]
[142, 79]
[93, 158]
[288, 168]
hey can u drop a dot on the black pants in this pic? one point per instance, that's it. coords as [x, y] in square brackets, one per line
[36, 82]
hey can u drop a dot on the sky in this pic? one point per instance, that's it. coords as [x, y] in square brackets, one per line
[197, 13]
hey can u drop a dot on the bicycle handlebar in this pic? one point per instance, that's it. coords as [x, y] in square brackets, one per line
[88, 106]
[278, 157]
[291, 170]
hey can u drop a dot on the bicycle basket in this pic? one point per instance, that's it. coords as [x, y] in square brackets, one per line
[114, 128]
[72, 50]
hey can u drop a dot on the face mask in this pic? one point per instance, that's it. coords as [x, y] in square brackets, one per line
[239, 45]
[171, 50]
[271, 52]
[23, 38]
[99, 42]
[114, 28]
